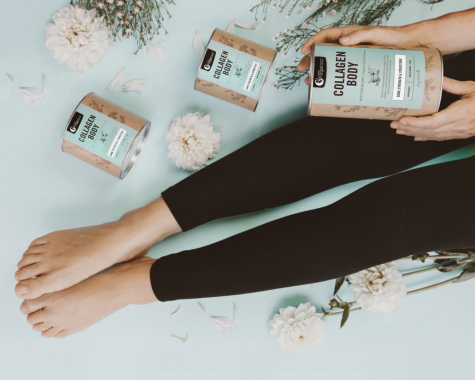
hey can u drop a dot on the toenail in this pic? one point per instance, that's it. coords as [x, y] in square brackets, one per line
[22, 289]
[23, 308]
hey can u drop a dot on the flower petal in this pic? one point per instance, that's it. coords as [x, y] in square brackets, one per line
[116, 82]
[198, 44]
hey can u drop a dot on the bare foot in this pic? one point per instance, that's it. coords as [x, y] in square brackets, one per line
[64, 258]
[71, 310]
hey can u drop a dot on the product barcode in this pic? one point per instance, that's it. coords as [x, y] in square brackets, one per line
[399, 77]
[116, 143]
[251, 76]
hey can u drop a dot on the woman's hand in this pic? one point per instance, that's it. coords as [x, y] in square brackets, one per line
[455, 122]
[402, 37]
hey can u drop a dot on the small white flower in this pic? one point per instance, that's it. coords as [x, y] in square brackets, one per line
[273, 7]
[128, 30]
[333, 12]
[296, 330]
[192, 141]
[324, 14]
[309, 8]
[305, 24]
[283, 56]
[319, 6]
[287, 16]
[120, 3]
[77, 37]
[100, 5]
[136, 10]
[139, 3]
[273, 38]
[110, 1]
[119, 14]
[378, 289]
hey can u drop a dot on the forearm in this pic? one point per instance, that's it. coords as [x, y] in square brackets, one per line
[451, 33]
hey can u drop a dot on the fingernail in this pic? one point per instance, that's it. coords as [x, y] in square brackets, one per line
[22, 289]
[345, 39]
[403, 122]
[394, 125]
[400, 132]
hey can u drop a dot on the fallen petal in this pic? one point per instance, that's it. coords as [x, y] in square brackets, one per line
[235, 313]
[230, 27]
[116, 82]
[32, 95]
[201, 307]
[44, 84]
[10, 77]
[156, 51]
[247, 26]
[136, 85]
[223, 324]
[198, 44]
[182, 340]
[176, 311]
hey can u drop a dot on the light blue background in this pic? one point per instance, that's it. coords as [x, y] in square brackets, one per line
[42, 189]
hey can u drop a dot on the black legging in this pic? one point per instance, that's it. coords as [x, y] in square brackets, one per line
[420, 210]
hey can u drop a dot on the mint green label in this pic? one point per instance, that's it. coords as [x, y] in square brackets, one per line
[100, 134]
[234, 69]
[368, 77]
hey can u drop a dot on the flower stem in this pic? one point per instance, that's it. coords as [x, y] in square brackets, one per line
[433, 268]
[437, 257]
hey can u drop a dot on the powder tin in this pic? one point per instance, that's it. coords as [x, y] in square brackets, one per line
[374, 82]
[234, 69]
[105, 135]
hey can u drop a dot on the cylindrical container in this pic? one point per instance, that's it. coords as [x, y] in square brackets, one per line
[105, 135]
[374, 82]
[234, 69]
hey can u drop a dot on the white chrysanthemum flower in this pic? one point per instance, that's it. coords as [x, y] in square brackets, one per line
[77, 37]
[378, 289]
[192, 141]
[296, 330]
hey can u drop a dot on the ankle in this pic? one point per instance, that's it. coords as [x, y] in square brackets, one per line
[148, 225]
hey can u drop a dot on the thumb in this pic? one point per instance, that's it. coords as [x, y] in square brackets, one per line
[457, 87]
[370, 35]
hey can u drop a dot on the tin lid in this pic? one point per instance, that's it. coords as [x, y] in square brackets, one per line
[135, 150]
[310, 81]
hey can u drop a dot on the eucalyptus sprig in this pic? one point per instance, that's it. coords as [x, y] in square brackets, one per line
[361, 12]
[141, 20]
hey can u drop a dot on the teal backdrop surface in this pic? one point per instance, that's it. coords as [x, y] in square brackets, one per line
[430, 336]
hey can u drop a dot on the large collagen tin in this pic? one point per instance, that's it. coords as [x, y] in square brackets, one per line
[105, 135]
[374, 82]
[234, 69]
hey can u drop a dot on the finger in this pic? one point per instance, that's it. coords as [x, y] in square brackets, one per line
[307, 81]
[367, 35]
[457, 87]
[328, 35]
[304, 63]
[415, 126]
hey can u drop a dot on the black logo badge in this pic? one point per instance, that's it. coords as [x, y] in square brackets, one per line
[75, 122]
[208, 60]
[320, 72]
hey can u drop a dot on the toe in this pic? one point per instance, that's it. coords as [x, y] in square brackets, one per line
[31, 306]
[51, 332]
[38, 317]
[62, 334]
[34, 287]
[43, 326]
[30, 271]
[40, 241]
[28, 260]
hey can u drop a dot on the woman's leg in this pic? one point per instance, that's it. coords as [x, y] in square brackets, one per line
[291, 163]
[412, 212]
[431, 208]
[305, 158]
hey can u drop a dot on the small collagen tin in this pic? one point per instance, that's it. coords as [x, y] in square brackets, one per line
[374, 82]
[234, 69]
[105, 135]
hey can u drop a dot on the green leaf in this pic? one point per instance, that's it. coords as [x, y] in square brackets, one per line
[338, 283]
[420, 257]
[344, 317]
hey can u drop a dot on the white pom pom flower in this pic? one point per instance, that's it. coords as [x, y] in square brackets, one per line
[296, 330]
[379, 289]
[77, 37]
[192, 141]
